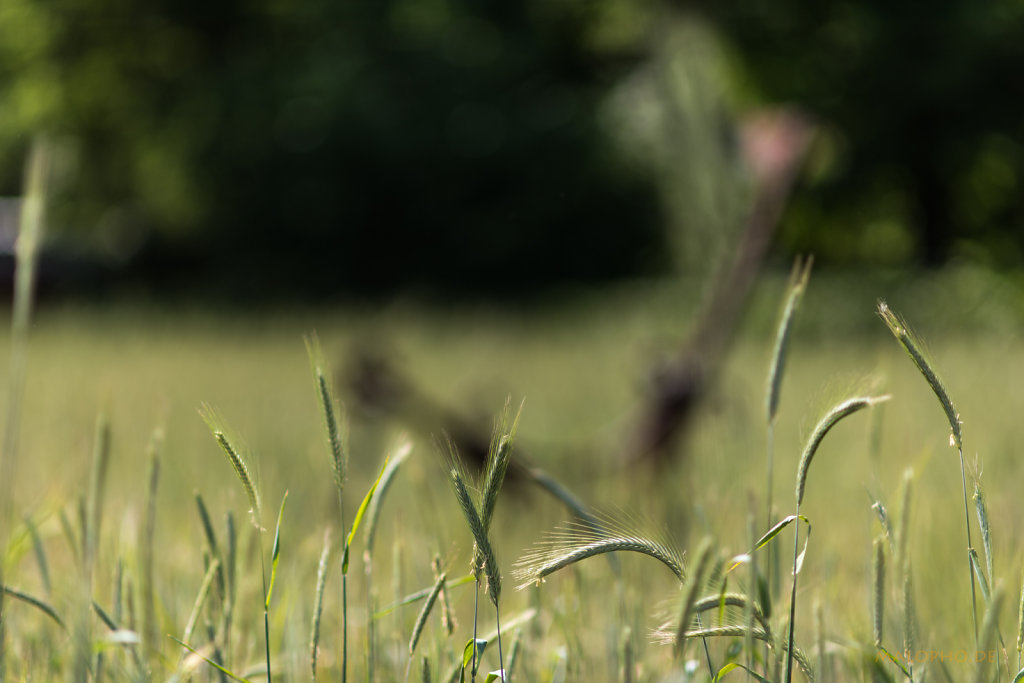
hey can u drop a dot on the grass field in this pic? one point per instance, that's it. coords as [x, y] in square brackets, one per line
[581, 364]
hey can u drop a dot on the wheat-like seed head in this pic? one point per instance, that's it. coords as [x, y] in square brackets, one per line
[421, 621]
[499, 455]
[986, 530]
[909, 616]
[484, 558]
[797, 285]
[220, 433]
[334, 424]
[690, 588]
[915, 349]
[318, 602]
[847, 407]
[579, 540]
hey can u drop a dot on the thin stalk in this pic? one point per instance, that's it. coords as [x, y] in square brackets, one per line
[476, 607]
[792, 602]
[266, 615]
[30, 232]
[970, 545]
[344, 602]
[501, 658]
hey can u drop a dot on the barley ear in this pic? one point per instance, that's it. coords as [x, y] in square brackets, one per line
[841, 410]
[318, 602]
[903, 525]
[335, 429]
[499, 455]
[914, 348]
[986, 531]
[909, 615]
[693, 584]
[421, 620]
[221, 434]
[97, 484]
[146, 548]
[575, 542]
[485, 560]
[797, 285]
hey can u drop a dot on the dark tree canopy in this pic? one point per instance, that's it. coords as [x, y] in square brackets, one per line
[351, 146]
[333, 145]
[924, 112]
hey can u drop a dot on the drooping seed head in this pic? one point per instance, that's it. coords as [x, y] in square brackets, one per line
[844, 409]
[915, 349]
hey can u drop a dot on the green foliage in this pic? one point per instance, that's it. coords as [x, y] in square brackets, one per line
[921, 154]
[453, 136]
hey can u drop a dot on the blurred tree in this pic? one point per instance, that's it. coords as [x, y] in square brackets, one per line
[922, 154]
[334, 145]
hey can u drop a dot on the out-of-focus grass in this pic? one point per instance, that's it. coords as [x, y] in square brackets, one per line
[581, 364]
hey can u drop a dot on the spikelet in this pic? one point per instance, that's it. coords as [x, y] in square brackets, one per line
[221, 434]
[847, 407]
[914, 348]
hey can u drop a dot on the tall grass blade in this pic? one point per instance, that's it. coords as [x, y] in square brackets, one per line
[878, 585]
[40, 605]
[201, 596]
[97, 485]
[209, 661]
[359, 518]
[275, 554]
[40, 553]
[413, 598]
[31, 226]
[989, 630]
[398, 456]
[1020, 626]
[147, 541]
[211, 541]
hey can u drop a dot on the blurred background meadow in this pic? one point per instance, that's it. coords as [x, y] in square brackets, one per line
[592, 206]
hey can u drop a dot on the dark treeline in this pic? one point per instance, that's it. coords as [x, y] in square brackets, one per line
[325, 147]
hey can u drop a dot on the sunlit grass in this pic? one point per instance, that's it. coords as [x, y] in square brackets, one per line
[581, 371]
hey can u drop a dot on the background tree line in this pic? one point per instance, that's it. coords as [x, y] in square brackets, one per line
[325, 147]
